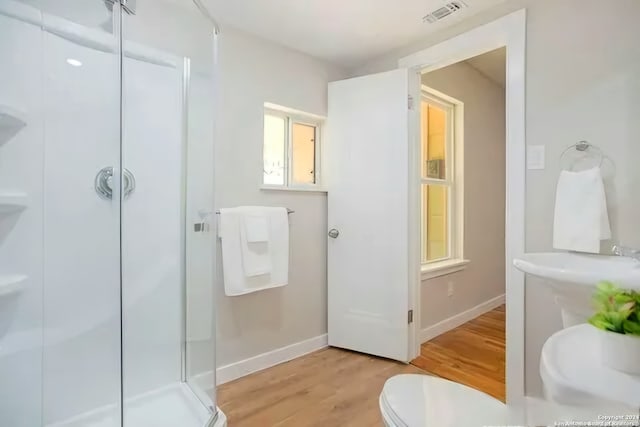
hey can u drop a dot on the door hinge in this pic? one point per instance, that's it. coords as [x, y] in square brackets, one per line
[129, 6]
[410, 316]
[410, 102]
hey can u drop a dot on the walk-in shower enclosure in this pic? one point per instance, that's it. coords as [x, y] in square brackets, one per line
[106, 188]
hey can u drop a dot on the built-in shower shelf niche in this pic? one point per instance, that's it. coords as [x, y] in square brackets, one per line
[13, 202]
[11, 122]
[11, 284]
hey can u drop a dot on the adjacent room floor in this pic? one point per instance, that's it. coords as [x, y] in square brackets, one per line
[330, 387]
[472, 354]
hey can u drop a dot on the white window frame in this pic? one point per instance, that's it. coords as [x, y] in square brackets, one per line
[454, 180]
[292, 116]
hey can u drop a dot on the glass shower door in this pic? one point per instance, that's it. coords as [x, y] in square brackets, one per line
[60, 342]
[168, 330]
[106, 214]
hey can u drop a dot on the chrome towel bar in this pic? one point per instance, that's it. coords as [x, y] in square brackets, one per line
[289, 211]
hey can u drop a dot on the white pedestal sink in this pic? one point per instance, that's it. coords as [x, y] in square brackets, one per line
[571, 365]
[573, 278]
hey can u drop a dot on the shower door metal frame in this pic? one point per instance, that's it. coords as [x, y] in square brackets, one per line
[117, 184]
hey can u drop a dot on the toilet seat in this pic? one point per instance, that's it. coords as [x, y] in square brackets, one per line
[412, 400]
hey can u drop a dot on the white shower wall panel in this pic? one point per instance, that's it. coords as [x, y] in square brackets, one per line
[81, 234]
[82, 372]
[21, 252]
[152, 228]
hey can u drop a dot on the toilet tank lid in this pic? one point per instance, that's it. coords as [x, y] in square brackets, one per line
[570, 364]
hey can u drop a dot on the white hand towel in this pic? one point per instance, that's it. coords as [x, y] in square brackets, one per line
[254, 241]
[581, 220]
[256, 226]
[232, 228]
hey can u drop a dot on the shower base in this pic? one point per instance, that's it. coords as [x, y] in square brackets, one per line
[170, 406]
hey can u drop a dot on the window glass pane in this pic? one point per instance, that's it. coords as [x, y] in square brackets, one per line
[435, 218]
[434, 141]
[303, 138]
[275, 134]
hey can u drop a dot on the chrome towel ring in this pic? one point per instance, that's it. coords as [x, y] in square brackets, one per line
[588, 149]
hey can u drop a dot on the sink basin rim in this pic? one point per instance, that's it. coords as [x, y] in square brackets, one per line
[581, 269]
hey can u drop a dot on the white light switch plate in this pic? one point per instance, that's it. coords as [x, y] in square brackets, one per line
[535, 157]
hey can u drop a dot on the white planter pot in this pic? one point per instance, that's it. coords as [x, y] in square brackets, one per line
[620, 352]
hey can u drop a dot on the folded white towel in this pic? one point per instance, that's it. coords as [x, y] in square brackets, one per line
[581, 220]
[256, 226]
[241, 259]
[254, 240]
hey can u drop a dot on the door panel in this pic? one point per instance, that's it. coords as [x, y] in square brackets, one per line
[368, 200]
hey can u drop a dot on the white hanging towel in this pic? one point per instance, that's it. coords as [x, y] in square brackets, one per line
[254, 241]
[581, 220]
[255, 248]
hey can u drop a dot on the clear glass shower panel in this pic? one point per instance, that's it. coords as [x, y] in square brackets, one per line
[167, 237]
[106, 214]
[59, 238]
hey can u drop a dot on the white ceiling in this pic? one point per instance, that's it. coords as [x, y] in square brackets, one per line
[345, 32]
[492, 65]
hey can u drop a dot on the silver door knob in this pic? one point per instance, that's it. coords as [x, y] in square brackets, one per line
[333, 233]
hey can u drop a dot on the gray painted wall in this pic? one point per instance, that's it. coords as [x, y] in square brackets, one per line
[252, 72]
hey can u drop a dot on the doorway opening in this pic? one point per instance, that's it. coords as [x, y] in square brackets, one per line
[462, 180]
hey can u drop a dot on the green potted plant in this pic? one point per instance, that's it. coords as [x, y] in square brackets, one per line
[618, 316]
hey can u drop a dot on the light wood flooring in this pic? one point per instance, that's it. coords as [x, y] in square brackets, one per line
[335, 388]
[328, 388]
[472, 354]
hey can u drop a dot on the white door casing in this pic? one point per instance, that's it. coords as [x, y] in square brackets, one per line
[508, 31]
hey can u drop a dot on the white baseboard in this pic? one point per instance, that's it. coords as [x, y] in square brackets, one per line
[453, 322]
[236, 370]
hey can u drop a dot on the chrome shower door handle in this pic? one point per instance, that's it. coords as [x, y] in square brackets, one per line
[333, 233]
[104, 183]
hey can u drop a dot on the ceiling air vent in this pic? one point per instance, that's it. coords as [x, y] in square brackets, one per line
[446, 10]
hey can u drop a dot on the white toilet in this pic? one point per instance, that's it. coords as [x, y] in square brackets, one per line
[576, 385]
[423, 401]
[573, 374]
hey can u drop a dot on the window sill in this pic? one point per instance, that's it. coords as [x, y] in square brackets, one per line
[294, 189]
[442, 268]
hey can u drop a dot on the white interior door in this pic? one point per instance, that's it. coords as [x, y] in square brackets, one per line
[368, 214]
